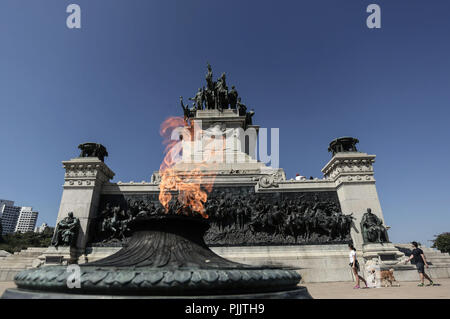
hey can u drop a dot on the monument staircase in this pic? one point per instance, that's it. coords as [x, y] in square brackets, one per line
[14, 263]
[3, 254]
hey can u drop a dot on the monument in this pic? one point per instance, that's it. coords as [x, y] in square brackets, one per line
[162, 231]
[249, 213]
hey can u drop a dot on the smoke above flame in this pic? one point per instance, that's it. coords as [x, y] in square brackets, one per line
[191, 185]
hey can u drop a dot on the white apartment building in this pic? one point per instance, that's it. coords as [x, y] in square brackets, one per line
[9, 214]
[27, 220]
[16, 218]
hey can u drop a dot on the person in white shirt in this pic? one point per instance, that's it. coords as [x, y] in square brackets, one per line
[355, 266]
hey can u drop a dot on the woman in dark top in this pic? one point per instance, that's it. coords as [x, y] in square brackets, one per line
[420, 261]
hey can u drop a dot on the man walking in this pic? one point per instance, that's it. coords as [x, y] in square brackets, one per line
[420, 261]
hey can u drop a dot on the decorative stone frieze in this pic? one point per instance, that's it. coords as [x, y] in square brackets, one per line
[86, 172]
[352, 167]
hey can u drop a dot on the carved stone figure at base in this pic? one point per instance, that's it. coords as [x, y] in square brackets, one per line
[66, 232]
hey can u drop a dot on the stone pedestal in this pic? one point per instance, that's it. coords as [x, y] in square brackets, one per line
[222, 145]
[386, 253]
[223, 139]
[83, 182]
[352, 173]
[61, 256]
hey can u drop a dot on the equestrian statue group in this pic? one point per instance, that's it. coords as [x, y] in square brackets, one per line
[216, 96]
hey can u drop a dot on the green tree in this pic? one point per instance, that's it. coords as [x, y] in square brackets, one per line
[18, 241]
[442, 242]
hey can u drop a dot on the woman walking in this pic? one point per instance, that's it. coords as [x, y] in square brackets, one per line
[355, 266]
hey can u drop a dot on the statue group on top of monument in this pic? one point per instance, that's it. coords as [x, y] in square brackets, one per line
[216, 96]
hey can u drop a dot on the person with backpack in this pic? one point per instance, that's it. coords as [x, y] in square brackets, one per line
[355, 266]
[421, 262]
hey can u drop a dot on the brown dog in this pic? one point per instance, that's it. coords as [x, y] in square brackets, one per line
[387, 276]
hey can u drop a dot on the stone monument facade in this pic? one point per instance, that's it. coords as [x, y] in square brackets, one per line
[256, 214]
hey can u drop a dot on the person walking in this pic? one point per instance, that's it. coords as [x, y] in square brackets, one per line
[355, 266]
[421, 262]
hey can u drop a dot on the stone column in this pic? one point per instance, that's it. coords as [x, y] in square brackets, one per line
[352, 173]
[83, 182]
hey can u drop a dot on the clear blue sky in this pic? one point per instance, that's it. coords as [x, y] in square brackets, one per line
[311, 68]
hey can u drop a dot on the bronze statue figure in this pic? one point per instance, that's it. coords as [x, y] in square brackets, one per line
[232, 97]
[372, 228]
[188, 113]
[221, 90]
[66, 232]
[209, 78]
[198, 99]
[249, 117]
[242, 109]
[210, 99]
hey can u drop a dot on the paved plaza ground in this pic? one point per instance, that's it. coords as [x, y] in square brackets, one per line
[5, 285]
[344, 290]
[407, 290]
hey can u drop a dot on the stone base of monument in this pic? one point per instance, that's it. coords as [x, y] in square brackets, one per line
[297, 293]
[315, 263]
[60, 256]
[385, 256]
[166, 257]
[387, 253]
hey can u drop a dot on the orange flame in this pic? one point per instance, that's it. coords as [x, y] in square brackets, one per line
[192, 185]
